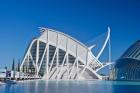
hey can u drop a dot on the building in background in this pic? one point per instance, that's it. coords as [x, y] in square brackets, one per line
[127, 67]
[55, 55]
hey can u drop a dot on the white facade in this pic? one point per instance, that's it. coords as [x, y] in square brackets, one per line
[55, 55]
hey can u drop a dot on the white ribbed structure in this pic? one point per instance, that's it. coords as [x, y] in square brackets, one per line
[55, 55]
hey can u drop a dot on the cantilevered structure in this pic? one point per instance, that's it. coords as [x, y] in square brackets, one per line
[55, 55]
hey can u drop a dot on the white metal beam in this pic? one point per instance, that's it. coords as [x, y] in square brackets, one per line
[37, 57]
[105, 43]
[27, 53]
[52, 60]
[32, 60]
[72, 67]
[43, 56]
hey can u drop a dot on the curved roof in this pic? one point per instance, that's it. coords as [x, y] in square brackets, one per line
[67, 43]
[47, 29]
[133, 51]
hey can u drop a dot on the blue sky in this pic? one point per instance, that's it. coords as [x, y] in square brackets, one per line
[82, 19]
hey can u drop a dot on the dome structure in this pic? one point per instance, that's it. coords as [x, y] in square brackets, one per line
[127, 67]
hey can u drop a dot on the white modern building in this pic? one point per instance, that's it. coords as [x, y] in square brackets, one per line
[55, 55]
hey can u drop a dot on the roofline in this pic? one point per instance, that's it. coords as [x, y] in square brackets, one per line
[77, 41]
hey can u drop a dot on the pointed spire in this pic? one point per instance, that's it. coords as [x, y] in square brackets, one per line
[18, 68]
[13, 65]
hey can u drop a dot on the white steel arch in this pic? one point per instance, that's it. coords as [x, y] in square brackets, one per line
[55, 55]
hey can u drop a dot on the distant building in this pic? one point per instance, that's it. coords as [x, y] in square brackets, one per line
[127, 67]
[55, 55]
[2, 73]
